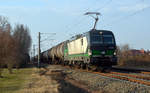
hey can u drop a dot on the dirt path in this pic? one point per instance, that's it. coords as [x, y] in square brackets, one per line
[52, 81]
[66, 85]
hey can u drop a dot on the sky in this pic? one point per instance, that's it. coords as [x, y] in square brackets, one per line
[59, 20]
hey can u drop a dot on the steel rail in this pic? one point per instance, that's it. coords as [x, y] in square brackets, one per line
[122, 76]
[130, 75]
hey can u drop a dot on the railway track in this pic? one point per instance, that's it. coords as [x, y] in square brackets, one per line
[133, 76]
[139, 79]
[145, 72]
[127, 77]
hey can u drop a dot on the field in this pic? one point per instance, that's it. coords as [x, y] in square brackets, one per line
[142, 61]
[27, 80]
[11, 83]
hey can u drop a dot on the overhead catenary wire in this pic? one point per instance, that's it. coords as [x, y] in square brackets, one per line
[78, 24]
[107, 3]
[128, 16]
[86, 10]
[46, 39]
[110, 1]
[70, 28]
[101, 8]
[43, 42]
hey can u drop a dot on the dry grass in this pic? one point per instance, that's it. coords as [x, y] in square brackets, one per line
[135, 61]
[101, 91]
[40, 84]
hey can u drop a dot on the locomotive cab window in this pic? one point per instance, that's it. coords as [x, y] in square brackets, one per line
[108, 39]
[97, 39]
[102, 39]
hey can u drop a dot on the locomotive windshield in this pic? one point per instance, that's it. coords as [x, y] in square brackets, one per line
[102, 39]
[97, 39]
[108, 39]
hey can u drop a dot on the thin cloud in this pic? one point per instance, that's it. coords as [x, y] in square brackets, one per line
[134, 8]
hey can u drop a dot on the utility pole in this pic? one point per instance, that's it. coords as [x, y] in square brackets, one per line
[39, 45]
[39, 50]
[31, 55]
[34, 52]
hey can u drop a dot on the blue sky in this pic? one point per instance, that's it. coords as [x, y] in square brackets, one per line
[128, 19]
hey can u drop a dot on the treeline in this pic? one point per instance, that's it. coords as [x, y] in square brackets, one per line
[133, 58]
[14, 45]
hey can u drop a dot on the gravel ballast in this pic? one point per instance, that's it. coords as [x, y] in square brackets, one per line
[99, 84]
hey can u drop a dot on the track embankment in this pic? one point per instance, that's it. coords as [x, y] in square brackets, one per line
[60, 79]
[52, 80]
[66, 85]
[127, 77]
[112, 82]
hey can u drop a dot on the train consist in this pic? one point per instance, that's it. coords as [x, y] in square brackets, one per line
[93, 48]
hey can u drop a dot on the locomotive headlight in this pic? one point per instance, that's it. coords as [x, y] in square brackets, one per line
[103, 52]
[115, 53]
[89, 52]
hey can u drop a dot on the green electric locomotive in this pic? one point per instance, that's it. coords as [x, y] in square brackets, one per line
[96, 47]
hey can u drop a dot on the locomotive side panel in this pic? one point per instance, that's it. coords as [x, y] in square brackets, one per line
[78, 46]
[77, 50]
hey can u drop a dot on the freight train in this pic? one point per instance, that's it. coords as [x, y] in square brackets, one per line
[95, 48]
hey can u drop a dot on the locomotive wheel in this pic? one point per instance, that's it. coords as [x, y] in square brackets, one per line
[63, 63]
[88, 67]
[70, 64]
[83, 66]
[78, 66]
[100, 69]
[66, 63]
[108, 69]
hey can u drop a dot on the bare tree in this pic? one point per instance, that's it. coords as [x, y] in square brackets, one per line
[123, 52]
[22, 37]
[3, 23]
[14, 47]
[9, 49]
[7, 45]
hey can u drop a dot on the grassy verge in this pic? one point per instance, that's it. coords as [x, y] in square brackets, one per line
[40, 82]
[11, 83]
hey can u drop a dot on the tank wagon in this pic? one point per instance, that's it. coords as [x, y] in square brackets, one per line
[93, 48]
[44, 57]
[57, 53]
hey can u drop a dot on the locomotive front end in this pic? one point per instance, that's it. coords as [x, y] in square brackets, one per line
[102, 48]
